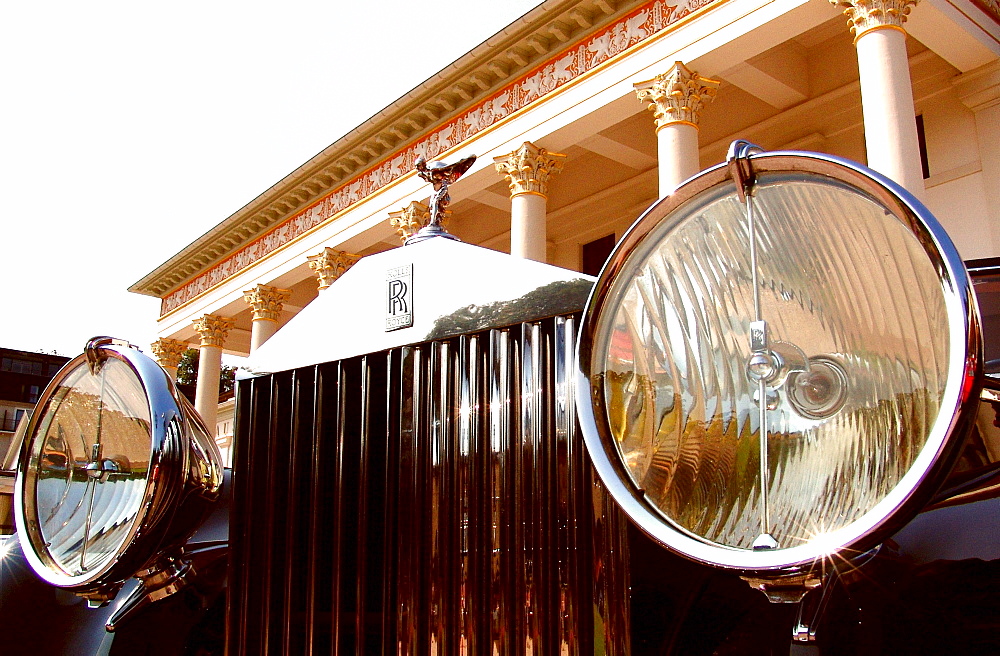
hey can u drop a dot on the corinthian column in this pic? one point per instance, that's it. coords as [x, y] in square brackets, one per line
[330, 264]
[266, 303]
[886, 91]
[527, 171]
[213, 331]
[168, 354]
[410, 219]
[676, 99]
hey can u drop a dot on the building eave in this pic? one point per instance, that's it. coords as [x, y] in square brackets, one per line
[523, 45]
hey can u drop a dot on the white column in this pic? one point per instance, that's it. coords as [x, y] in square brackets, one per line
[527, 171]
[676, 99]
[266, 303]
[886, 91]
[979, 90]
[329, 264]
[168, 354]
[213, 330]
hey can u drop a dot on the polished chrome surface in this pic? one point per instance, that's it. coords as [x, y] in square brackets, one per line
[433, 498]
[459, 289]
[117, 471]
[440, 175]
[870, 493]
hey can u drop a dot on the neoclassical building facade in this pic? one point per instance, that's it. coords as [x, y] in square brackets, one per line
[584, 112]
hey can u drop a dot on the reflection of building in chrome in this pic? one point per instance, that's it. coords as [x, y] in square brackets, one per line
[556, 106]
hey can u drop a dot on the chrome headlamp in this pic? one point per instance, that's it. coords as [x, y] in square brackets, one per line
[774, 359]
[116, 471]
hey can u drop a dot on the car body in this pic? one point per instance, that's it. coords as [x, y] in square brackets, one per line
[461, 484]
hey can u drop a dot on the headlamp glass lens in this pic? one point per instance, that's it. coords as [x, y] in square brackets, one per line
[90, 454]
[857, 362]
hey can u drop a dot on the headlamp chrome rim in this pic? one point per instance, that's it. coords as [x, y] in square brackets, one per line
[922, 478]
[182, 459]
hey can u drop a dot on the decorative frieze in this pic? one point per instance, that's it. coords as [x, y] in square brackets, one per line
[266, 302]
[168, 352]
[638, 25]
[677, 96]
[213, 329]
[330, 264]
[529, 168]
[867, 15]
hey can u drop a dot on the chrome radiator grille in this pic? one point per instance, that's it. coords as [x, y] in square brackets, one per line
[432, 499]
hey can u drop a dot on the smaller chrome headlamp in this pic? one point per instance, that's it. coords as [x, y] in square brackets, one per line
[116, 471]
[774, 361]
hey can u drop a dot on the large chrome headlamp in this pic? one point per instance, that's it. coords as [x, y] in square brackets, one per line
[774, 359]
[116, 471]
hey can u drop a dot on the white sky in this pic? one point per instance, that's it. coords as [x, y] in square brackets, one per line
[128, 129]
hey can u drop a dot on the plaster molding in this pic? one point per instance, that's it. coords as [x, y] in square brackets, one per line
[213, 329]
[529, 168]
[330, 264]
[266, 301]
[677, 96]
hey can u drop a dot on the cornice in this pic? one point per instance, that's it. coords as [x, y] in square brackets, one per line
[200, 267]
[528, 41]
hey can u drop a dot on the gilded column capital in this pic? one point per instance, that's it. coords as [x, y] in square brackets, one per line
[330, 264]
[529, 168]
[168, 352]
[866, 15]
[266, 302]
[411, 219]
[213, 329]
[677, 96]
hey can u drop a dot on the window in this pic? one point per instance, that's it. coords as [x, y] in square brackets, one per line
[595, 253]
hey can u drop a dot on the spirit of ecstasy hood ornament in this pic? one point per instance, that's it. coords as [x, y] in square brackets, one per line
[440, 175]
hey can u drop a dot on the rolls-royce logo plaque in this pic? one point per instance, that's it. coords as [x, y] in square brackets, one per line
[399, 297]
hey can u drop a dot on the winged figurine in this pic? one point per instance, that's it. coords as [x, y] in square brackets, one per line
[440, 175]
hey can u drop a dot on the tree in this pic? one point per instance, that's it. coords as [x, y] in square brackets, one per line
[187, 372]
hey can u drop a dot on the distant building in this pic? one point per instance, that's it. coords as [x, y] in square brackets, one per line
[23, 376]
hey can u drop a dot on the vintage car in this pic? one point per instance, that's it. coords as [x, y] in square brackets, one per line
[769, 427]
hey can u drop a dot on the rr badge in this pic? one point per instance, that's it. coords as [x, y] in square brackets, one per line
[399, 297]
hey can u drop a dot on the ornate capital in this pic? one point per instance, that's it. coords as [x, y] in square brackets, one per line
[867, 15]
[266, 301]
[330, 265]
[168, 351]
[677, 96]
[528, 169]
[410, 219]
[213, 329]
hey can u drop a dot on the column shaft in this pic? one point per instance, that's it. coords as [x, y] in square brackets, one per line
[677, 149]
[887, 103]
[207, 392]
[260, 331]
[527, 227]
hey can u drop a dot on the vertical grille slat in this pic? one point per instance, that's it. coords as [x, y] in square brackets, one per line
[431, 499]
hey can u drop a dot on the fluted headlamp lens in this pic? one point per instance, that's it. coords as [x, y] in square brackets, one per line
[843, 320]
